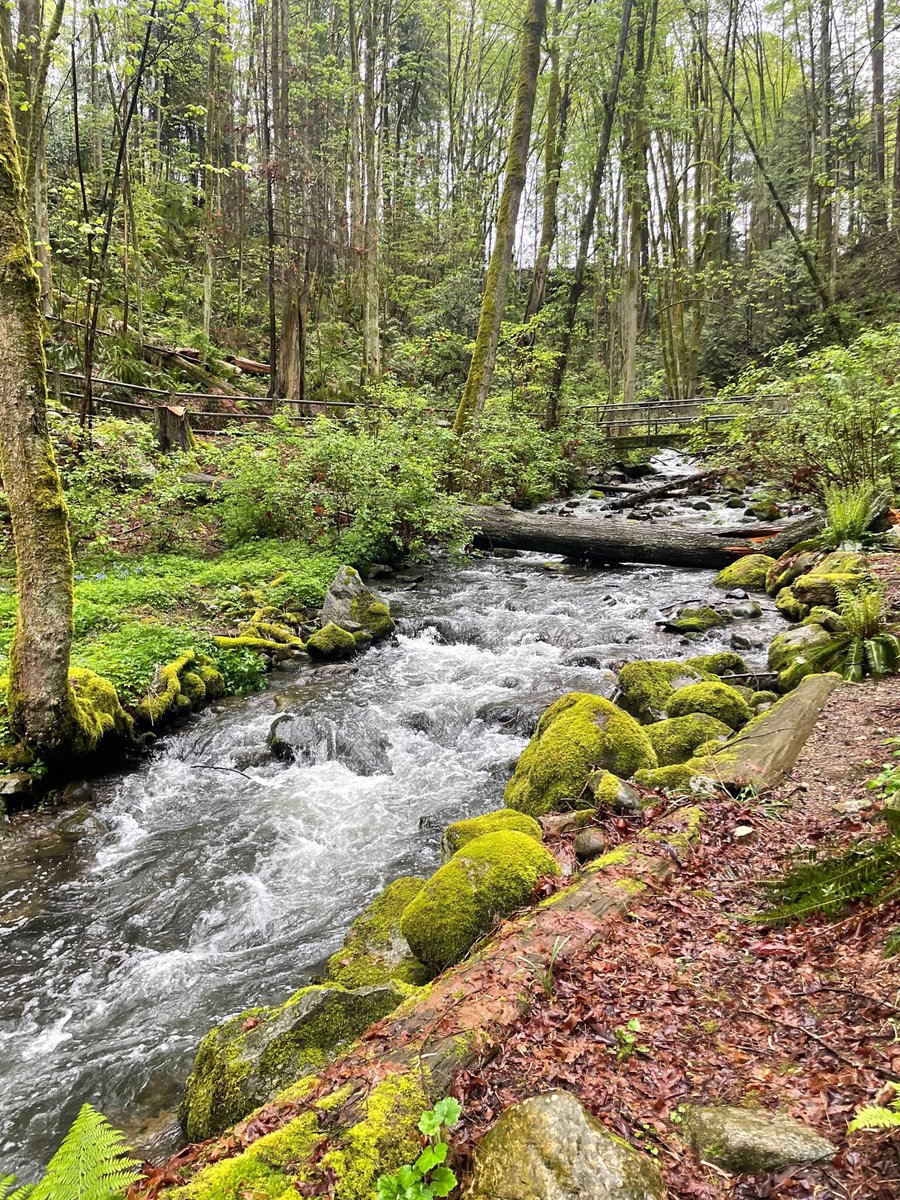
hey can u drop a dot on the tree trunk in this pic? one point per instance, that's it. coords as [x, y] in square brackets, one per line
[612, 540]
[481, 370]
[371, 294]
[40, 701]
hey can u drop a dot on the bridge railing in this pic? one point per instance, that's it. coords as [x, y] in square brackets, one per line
[651, 417]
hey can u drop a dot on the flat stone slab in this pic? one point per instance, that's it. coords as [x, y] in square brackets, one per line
[748, 1142]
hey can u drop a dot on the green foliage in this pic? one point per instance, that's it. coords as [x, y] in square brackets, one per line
[428, 1177]
[839, 422]
[825, 886]
[877, 1116]
[887, 781]
[92, 1163]
[10, 1191]
[849, 511]
[627, 1040]
[865, 645]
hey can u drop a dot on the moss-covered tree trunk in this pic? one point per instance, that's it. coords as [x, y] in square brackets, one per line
[481, 370]
[41, 704]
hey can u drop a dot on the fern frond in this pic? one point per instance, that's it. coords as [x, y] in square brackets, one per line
[875, 1117]
[826, 886]
[9, 1190]
[91, 1164]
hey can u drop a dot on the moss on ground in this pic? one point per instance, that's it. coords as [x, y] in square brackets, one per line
[575, 737]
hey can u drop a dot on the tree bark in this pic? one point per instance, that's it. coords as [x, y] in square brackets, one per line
[612, 540]
[40, 701]
[484, 357]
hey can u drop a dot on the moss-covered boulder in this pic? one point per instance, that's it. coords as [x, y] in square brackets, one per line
[550, 1148]
[608, 791]
[789, 606]
[375, 949]
[698, 619]
[725, 662]
[331, 642]
[248, 1059]
[760, 701]
[716, 699]
[354, 607]
[747, 572]
[825, 589]
[796, 653]
[100, 715]
[485, 881]
[746, 1141]
[646, 685]
[460, 833]
[575, 737]
[827, 618]
[676, 740]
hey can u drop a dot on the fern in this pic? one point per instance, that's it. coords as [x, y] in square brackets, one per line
[877, 1117]
[864, 645]
[849, 512]
[91, 1164]
[9, 1190]
[865, 870]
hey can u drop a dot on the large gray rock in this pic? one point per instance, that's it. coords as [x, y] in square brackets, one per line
[550, 1148]
[748, 1142]
[352, 606]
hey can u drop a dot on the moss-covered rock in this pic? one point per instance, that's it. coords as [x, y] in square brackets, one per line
[331, 642]
[726, 662]
[352, 606]
[608, 791]
[248, 1059]
[789, 606]
[377, 1136]
[460, 833]
[796, 562]
[676, 740]
[825, 589]
[697, 619]
[646, 685]
[576, 736]
[178, 688]
[486, 880]
[762, 700]
[550, 1148]
[827, 618]
[375, 949]
[716, 699]
[747, 572]
[795, 653]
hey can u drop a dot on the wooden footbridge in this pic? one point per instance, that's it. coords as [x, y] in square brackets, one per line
[663, 422]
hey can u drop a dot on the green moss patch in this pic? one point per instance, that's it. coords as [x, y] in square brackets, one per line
[331, 642]
[375, 949]
[646, 685]
[715, 699]
[460, 833]
[486, 880]
[725, 662]
[575, 737]
[676, 739]
[748, 572]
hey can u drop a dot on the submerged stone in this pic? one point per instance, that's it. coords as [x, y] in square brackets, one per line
[248, 1059]
[485, 881]
[550, 1148]
[576, 736]
[748, 1142]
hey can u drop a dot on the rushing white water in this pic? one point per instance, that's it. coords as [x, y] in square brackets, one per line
[189, 893]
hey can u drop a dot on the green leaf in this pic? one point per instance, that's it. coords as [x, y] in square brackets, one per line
[448, 1110]
[443, 1181]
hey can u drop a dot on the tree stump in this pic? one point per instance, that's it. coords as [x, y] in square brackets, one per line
[173, 429]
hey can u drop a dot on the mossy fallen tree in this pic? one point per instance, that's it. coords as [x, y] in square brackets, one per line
[613, 540]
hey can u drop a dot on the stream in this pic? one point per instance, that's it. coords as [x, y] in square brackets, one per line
[214, 876]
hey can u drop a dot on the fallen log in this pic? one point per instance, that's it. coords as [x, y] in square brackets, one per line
[641, 495]
[612, 540]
